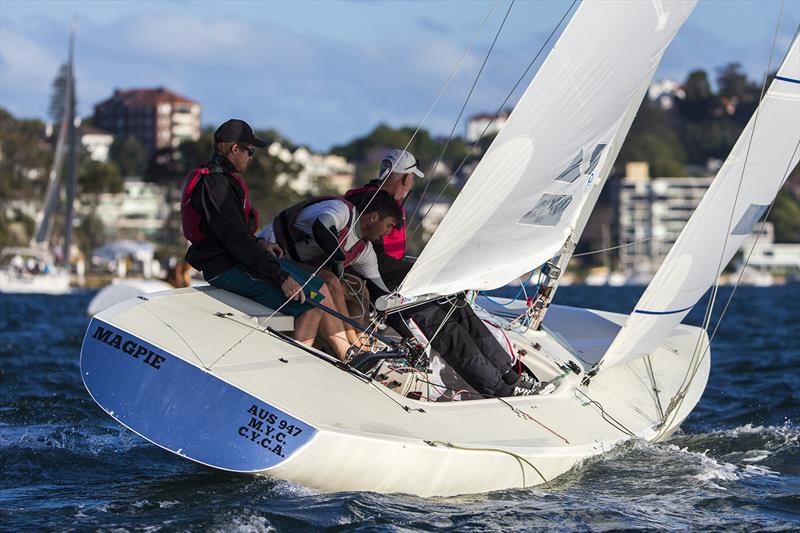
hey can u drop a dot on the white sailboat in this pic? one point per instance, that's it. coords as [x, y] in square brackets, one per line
[211, 377]
[32, 269]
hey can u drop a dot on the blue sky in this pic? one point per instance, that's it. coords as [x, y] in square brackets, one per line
[323, 72]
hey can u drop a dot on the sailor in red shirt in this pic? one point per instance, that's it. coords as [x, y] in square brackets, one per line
[398, 170]
[220, 222]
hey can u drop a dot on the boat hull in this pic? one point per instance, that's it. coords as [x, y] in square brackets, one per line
[57, 283]
[219, 371]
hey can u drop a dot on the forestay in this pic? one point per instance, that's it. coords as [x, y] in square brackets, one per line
[745, 186]
[521, 203]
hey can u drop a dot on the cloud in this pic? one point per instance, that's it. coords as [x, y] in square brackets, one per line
[27, 70]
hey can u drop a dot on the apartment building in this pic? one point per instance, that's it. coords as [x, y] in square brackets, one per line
[157, 118]
[652, 213]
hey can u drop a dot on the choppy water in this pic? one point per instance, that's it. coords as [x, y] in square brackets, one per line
[735, 466]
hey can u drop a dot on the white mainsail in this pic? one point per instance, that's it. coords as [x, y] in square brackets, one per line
[763, 157]
[521, 203]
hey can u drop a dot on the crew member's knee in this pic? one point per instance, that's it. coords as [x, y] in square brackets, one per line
[325, 290]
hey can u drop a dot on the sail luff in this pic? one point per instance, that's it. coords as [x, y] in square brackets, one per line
[746, 184]
[520, 205]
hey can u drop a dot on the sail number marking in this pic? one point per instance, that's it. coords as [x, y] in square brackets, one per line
[269, 430]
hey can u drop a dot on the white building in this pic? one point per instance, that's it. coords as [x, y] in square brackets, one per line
[434, 214]
[139, 212]
[483, 125]
[97, 142]
[319, 173]
[652, 213]
[768, 256]
[665, 92]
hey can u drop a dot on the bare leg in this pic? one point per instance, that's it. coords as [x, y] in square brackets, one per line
[333, 329]
[306, 326]
[337, 297]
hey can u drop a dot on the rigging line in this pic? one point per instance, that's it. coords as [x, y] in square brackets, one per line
[616, 424]
[355, 222]
[522, 414]
[512, 454]
[463, 107]
[500, 108]
[696, 357]
[656, 395]
[441, 325]
[655, 237]
[179, 336]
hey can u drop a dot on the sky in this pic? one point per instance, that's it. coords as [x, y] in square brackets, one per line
[323, 72]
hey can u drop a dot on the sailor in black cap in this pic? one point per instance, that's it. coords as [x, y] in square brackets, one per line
[220, 222]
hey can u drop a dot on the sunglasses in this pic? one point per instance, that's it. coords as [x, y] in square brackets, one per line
[250, 151]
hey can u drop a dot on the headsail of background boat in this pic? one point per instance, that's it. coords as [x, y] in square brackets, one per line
[770, 147]
[521, 203]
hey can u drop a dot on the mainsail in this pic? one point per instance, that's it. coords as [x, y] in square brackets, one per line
[521, 203]
[760, 162]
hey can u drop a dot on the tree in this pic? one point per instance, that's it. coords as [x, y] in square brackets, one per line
[25, 158]
[652, 138]
[697, 87]
[58, 97]
[90, 233]
[733, 83]
[129, 156]
[367, 151]
[785, 216]
[97, 177]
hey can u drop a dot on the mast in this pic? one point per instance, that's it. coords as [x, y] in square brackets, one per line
[72, 161]
[43, 226]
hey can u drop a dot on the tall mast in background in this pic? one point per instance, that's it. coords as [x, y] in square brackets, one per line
[72, 160]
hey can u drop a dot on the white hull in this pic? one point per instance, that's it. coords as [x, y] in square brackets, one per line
[330, 430]
[55, 283]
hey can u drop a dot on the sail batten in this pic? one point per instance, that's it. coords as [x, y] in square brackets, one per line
[745, 186]
[526, 196]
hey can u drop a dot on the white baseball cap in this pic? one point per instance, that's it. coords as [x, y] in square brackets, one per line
[403, 162]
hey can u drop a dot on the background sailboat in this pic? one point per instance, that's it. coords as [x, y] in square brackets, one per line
[32, 269]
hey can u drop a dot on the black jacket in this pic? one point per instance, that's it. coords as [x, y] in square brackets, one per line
[229, 241]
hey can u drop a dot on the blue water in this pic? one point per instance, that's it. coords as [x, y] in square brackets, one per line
[735, 465]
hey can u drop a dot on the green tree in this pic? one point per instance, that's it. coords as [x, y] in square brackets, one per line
[58, 96]
[25, 158]
[652, 138]
[367, 151]
[785, 216]
[129, 156]
[90, 233]
[97, 177]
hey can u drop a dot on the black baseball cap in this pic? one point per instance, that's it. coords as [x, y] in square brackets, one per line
[237, 131]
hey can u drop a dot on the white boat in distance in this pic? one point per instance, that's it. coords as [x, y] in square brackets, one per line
[31, 271]
[211, 377]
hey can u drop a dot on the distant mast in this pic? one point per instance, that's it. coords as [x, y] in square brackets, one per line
[66, 134]
[72, 161]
